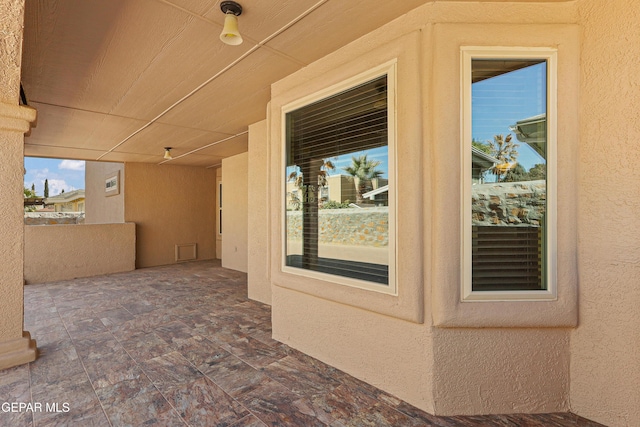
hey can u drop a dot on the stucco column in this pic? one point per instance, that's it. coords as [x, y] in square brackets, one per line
[16, 345]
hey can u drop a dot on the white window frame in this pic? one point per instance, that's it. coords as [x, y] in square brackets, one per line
[468, 53]
[388, 69]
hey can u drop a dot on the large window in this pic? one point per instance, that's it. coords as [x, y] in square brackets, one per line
[339, 185]
[509, 173]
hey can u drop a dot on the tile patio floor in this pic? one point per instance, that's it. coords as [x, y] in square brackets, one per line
[182, 345]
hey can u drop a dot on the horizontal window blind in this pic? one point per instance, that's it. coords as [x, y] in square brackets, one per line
[350, 121]
[506, 258]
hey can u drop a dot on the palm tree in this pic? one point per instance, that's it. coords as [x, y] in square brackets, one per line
[504, 150]
[363, 170]
[327, 165]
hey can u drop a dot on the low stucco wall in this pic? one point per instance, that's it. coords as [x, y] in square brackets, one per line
[61, 252]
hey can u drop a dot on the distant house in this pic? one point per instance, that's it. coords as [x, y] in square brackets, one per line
[480, 162]
[339, 188]
[72, 201]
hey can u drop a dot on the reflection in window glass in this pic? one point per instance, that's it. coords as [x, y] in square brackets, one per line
[337, 186]
[508, 174]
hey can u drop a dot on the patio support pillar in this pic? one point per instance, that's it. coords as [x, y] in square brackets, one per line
[16, 345]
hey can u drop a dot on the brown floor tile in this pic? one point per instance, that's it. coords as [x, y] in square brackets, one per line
[199, 351]
[16, 419]
[203, 403]
[175, 329]
[249, 421]
[89, 415]
[271, 403]
[146, 346]
[233, 375]
[114, 316]
[136, 402]
[170, 371]
[301, 377]
[253, 352]
[85, 327]
[55, 361]
[14, 388]
[182, 345]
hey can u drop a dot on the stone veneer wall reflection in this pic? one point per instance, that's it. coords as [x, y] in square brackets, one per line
[509, 203]
[363, 227]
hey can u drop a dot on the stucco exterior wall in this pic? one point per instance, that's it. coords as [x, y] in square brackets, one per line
[476, 369]
[392, 354]
[218, 196]
[258, 277]
[16, 347]
[416, 358]
[605, 348]
[170, 205]
[235, 211]
[62, 252]
[11, 240]
[100, 209]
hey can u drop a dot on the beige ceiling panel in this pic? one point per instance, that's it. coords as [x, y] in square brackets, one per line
[243, 112]
[195, 160]
[336, 23]
[262, 18]
[227, 148]
[198, 7]
[249, 79]
[79, 129]
[31, 150]
[155, 137]
[61, 44]
[190, 60]
[131, 157]
[93, 68]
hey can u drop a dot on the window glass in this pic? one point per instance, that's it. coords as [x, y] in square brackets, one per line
[508, 174]
[337, 185]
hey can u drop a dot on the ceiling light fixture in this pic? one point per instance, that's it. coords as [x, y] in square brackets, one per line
[230, 34]
[167, 153]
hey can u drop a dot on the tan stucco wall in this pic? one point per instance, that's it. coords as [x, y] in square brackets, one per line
[11, 235]
[15, 347]
[235, 211]
[605, 348]
[62, 252]
[170, 205]
[218, 235]
[392, 341]
[392, 354]
[501, 370]
[100, 209]
[258, 277]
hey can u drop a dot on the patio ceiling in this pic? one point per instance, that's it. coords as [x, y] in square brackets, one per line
[119, 80]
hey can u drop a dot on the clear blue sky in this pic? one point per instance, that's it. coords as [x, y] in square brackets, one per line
[501, 101]
[62, 174]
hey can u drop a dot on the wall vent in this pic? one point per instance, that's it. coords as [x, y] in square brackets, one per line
[186, 252]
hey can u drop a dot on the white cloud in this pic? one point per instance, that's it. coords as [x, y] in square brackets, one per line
[74, 165]
[57, 185]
